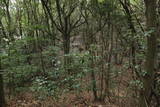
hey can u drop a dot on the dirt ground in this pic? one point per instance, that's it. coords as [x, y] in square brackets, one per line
[120, 96]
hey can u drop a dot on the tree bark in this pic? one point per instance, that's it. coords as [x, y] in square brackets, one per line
[66, 48]
[2, 97]
[148, 79]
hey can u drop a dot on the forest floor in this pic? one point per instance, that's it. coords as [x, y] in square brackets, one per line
[121, 96]
[69, 100]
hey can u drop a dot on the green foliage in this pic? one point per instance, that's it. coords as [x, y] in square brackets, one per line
[136, 83]
[32, 48]
[23, 65]
[56, 79]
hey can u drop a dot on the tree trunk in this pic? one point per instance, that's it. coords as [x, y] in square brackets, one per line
[93, 77]
[151, 53]
[66, 49]
[2, 97]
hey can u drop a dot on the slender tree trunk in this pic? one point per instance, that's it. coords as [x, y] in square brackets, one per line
[148, 79]
[102, 67]
[93, 77]
[2, 97]
[109, 60]
[66, 49]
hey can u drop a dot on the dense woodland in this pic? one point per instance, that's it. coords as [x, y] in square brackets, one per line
[79, 53]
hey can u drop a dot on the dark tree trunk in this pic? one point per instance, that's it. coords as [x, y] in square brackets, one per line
[2, 97]
[66, 48]
[93, 77]
[148, 79]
